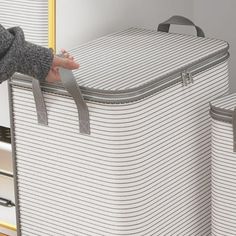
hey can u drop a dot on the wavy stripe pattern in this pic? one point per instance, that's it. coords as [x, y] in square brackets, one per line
[223, 178]
[138, 55]
[31, 16]
[226, 102]
[144, 170]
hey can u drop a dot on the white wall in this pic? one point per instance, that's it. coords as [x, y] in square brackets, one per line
[84, 20]
[217, 18]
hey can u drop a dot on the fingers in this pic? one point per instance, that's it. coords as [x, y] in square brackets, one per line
[66, 54]
[65, 63]
[53, 75]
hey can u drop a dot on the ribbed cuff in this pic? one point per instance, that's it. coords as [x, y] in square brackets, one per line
[36, 61]
[12, 39]
[6, 39]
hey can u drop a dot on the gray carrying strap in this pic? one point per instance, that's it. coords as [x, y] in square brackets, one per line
[73, 89]
[179, 20]
[39, 102]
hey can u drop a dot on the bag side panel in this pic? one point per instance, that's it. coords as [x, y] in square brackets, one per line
[223, 179]
[144, 170]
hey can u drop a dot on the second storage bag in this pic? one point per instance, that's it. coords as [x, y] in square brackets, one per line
[123, 149]
[223, 112]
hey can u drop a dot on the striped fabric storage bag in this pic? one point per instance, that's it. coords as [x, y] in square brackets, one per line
[223, 114]
[123, 145]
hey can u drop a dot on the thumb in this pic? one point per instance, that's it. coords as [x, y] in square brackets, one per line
[65, 63]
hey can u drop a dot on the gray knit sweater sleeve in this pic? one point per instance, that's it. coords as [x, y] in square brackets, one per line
[18, 55]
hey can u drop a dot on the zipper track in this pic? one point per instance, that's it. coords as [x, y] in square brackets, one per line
[129, 95]
[226, 116]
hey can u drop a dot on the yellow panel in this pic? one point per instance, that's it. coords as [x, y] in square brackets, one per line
[52, 24]
[7, 226]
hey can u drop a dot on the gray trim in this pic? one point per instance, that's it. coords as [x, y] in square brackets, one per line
[73, 89]
[226, 116]
[220, 117]
[179, 20]
[14, 161]
[128, 95]
[39, 102]
[221, 114]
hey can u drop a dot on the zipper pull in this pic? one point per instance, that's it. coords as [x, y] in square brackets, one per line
[184, 79]
[187, 78]
[190, 77]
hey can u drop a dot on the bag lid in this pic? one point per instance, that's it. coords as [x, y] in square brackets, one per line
[133, 58]
[129, 65]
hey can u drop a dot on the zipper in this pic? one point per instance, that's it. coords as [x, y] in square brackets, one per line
[226, 116]
[183, 76]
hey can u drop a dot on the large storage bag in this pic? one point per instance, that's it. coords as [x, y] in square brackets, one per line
[223, 114]
[123, 149]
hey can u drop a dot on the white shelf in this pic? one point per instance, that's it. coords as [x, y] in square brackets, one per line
[7, 214]
[4, 105]
[8, 232]
[7, 217]
[6, 148]
[5, 157]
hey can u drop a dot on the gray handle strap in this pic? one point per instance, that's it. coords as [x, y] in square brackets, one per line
[179, 20]
[39, 102]
[73, 89]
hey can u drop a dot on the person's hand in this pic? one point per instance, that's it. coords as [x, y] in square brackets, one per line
[67, 62]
